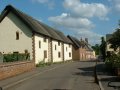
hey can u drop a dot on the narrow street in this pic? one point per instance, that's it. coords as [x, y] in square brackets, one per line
[69, 76]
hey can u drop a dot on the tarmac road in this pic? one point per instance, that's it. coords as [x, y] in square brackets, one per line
[69, 76]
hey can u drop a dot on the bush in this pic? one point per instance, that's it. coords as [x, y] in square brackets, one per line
[16, 57]
[113, 61]
[42, 64]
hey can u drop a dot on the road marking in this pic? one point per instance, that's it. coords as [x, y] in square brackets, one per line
[24, 79]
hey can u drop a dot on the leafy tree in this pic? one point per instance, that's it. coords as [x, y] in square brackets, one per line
[96, 48]
[103, 48]
[115, 39]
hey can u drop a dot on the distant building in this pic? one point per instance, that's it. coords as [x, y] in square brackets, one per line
[108, 48]
[108, 45]
[81, 49]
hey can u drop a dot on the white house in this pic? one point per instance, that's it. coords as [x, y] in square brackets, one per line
[108, 45]
[57, 51]
[41, 48]
[67, 52]
[15, 36]
[21, 33]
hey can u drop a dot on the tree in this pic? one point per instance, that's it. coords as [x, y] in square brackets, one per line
[115, 39]
[96, 48]
[103, 48]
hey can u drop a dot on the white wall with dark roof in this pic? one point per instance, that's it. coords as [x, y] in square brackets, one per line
[8, 28]
[56, 50]
[67, 52]
[40, 47]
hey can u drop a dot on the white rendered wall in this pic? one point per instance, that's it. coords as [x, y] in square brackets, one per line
[39, 52]
[8, 43]
[67, 50]
[55, 52]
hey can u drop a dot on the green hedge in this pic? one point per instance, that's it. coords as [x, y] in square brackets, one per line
[113, 61]
[15, 57]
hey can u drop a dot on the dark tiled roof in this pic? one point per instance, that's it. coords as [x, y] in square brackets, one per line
[63, 36]
[51, 32]
[35, 25]
[80, 43]
[75, 41]
[29, 21]
[89, 47]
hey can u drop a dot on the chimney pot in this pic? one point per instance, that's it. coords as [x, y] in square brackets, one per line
[86, 39]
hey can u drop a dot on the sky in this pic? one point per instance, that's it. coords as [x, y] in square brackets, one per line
[90, 19]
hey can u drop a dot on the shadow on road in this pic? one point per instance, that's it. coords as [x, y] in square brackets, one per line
[111, 79]
[86, 71]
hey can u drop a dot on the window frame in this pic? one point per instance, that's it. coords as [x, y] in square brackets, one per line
[45, 53]
[55, 47]
[17, 35]
[58, 43]
[66, 49]
[39, 44]
[69, 54]
[59, 55]
[45, 39]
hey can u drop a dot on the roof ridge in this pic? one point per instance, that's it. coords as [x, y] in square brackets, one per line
[34, 24]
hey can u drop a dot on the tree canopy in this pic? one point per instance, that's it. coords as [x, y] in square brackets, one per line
[115, 39]
[96, 48]
[103, 48]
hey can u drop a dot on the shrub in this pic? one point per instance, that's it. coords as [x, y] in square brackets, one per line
[42, 64]
[113, 61]
[16, 57]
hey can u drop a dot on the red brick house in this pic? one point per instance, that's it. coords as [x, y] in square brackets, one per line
[81, 50]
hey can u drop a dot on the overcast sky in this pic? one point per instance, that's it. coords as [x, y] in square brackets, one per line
[81, 18]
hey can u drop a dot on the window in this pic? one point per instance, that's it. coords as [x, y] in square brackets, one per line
[69, 54]
[59, 55]
[66, 48]
[44, 39]
[58, 43]
[16, 52]
[45, 54]
[17, 35]
[39, 44]
[55, 47]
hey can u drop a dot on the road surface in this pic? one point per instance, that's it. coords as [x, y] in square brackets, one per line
[69, 76]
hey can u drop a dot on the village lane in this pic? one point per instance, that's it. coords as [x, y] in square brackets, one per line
[69, 76]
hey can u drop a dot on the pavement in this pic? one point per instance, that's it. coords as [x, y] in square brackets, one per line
[66, 76]
[106, 80]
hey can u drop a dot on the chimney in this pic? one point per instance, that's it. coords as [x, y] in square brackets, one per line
[86, 39]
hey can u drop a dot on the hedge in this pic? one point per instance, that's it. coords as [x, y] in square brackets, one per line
[15, 57]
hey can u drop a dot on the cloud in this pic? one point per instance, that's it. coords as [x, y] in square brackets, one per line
[81, 27]
[78, 19]
[41, 1]
[66, 20]
[92, 37]
[78, 8]
[115, 4]
[49, 3]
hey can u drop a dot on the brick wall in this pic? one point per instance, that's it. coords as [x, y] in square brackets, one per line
[14, 68]
[75, 54]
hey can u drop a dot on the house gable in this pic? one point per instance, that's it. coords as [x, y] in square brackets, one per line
[10, 27]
